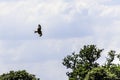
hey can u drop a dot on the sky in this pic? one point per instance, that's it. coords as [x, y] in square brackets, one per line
[67, 26]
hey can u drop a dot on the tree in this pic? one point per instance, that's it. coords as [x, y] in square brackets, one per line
[18, 75]
[111, 56]
[83, 62]
[84, 65]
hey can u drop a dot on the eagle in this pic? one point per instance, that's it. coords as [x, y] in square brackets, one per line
[39, 30]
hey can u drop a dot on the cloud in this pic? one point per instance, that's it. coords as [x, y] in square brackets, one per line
[66, 19]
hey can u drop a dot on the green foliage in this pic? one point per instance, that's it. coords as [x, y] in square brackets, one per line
[89, 54]
[18, 75]
[83, 62]
[111, 56]
[100, 73]
[84, 65]
[116, 70]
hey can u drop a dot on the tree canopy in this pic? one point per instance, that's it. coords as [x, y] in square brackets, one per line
[84, 65]
[18, 75]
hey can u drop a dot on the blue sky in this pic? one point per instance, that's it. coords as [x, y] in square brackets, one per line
[67, 25]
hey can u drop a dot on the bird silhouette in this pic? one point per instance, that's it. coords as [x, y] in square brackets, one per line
[39, 30]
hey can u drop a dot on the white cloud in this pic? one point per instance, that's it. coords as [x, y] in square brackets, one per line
[110, 11]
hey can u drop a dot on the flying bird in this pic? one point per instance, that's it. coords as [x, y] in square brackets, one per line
[39, 30]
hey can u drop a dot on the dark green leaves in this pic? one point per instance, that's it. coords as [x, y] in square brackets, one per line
[18, 75]
[84, 65]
